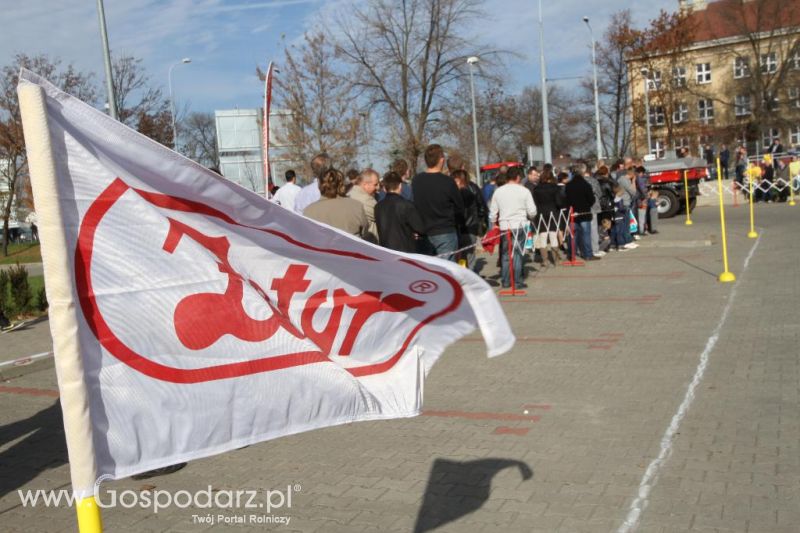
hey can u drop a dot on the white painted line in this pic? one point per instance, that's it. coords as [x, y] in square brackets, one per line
[653, 469]
[28, 359]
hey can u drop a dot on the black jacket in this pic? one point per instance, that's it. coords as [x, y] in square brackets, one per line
[438, 202]
[580, 198]
[483, 209]
[398, 220]
[547, 198]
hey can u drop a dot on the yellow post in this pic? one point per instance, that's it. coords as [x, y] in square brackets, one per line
[791, 190]
[727, 276]
[89, 520]
[794, 173]
[752, 234]
[686, 188]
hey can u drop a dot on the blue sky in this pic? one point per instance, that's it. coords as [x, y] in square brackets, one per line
[226, 39]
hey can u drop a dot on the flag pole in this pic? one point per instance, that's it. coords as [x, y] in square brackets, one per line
[265, 133]
[63, 308]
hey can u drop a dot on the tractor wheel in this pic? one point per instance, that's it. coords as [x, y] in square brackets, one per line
[668, 204]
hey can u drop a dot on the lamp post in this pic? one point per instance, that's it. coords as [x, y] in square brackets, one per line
[548, 153]
[596, 93]
[172, 101]
[645, 73]
[473, 61]
[112, 100]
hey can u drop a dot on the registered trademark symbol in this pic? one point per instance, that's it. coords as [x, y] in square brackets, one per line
[297, 487]
[423, 287]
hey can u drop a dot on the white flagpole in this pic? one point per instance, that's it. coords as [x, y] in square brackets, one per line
[63, 307]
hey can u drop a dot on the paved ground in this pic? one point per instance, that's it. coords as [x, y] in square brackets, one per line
[604, 358]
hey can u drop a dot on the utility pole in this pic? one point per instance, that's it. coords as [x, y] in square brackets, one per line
[112, 100]
[548, 153]
[472, 61]
[596, 94]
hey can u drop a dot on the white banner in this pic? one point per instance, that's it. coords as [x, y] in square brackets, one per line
[209, 318]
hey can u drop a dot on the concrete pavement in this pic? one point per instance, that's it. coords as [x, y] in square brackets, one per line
[562, 434]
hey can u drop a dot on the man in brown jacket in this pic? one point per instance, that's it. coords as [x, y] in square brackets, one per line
[363, 191]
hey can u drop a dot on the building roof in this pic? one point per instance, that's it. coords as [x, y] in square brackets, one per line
[730, 18]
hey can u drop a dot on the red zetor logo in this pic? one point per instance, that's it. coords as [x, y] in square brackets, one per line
[253, 313]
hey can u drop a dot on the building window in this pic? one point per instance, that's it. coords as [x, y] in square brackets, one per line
[794, 136]
[657, 148]
[681, 143]
[705, 108]
[768, 135]
[794, 96]
[657, 117]
[796, 60]
[771, 101]
[742, 105]
[679, 76]
[769, 63]
[741, 67]
[703, 72]
[680, 114]
[653, 81]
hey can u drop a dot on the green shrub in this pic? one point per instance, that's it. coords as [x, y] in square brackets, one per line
[20, 289]
[5, 302]
[41, 300]
[4, 297]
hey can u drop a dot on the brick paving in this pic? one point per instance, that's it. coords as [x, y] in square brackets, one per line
[554, 436]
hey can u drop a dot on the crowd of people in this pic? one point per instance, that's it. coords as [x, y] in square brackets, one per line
[442, 212]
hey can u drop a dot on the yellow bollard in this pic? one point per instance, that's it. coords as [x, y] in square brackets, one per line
[752, 233]
[686, 188]
[794, 173]
[727, 276]
[89, 520]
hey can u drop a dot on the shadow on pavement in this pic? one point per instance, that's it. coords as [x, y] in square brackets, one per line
[457, 488]
[42, 448]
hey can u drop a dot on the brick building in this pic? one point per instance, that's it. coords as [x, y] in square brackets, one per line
[729, 72]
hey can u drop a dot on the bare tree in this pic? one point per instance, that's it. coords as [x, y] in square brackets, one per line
[13, 157]
[199, 142]
[772, 57]
[570, 122]
[317, 92]
[661, 49]
[497, 119]
[409, 56]
[613, 84]
[141, 105]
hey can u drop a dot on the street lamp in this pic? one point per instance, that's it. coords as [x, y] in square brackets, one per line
[548, 153]
[474, 61]
[645, 73]
[172, 100]
[596, 94]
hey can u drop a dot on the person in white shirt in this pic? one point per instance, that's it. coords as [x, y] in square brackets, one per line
[310, 193]
[511, 208]
[286, 195]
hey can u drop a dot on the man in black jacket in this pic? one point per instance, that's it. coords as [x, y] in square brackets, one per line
[580, 198]
[439, 204]
[399, 223]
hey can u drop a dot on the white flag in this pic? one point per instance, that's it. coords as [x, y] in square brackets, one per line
[204, 318]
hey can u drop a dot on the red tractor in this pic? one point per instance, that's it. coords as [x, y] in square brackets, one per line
[667, 177]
